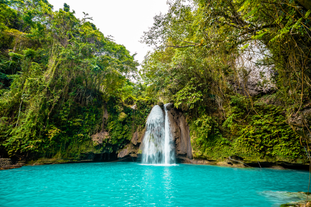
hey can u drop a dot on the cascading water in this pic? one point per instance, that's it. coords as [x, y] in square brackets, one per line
[154, 135]
[158, 145]
[169, 148]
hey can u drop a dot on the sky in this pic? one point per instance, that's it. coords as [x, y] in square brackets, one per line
[125, 20]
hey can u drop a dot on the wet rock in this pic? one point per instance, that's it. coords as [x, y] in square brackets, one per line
[130, 151]
[141, 135]
[180, 132]
[169, 106]
[161, 105]
[138, 136]
[123, 153]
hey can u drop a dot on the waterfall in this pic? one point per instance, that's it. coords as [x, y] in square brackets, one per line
[169, 148]
[158, 146]
[154, 135]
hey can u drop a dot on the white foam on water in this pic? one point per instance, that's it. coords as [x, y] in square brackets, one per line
[161, 165]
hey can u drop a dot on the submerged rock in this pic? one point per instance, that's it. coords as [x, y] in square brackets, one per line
[297, 199]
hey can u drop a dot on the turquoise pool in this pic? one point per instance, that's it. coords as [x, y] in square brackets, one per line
[132, 184]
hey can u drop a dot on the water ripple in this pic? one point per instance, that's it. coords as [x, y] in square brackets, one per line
[132, 184]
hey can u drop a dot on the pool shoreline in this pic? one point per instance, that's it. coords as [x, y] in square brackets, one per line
[224, 163]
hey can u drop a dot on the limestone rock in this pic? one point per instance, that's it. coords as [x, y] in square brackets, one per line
[254, 77]
[141, 135]
[180, 132]
[100, 137]
[129, 151]
[123, 153]
[134, 138]
[5, 162]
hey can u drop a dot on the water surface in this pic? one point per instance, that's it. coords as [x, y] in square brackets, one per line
[132, 184]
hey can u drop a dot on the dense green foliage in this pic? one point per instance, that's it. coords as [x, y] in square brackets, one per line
[258, 133]
[200, 63]
[123, 122]
[57, 74]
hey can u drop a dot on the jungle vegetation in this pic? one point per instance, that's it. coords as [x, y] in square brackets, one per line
[59, 73]
[205, 52]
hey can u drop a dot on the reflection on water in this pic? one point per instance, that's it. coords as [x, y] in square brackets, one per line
[169, 188]
[158, 182]
[132, 184]
[161, 165]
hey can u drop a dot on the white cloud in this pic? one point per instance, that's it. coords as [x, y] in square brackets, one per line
[125, 20]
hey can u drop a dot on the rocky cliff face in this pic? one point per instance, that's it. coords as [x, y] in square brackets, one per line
[255, 77]
[180, 132]
[103, 134]
[133, 149]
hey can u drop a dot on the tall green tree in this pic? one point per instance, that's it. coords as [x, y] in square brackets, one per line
[57, 72]
[198, 45]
